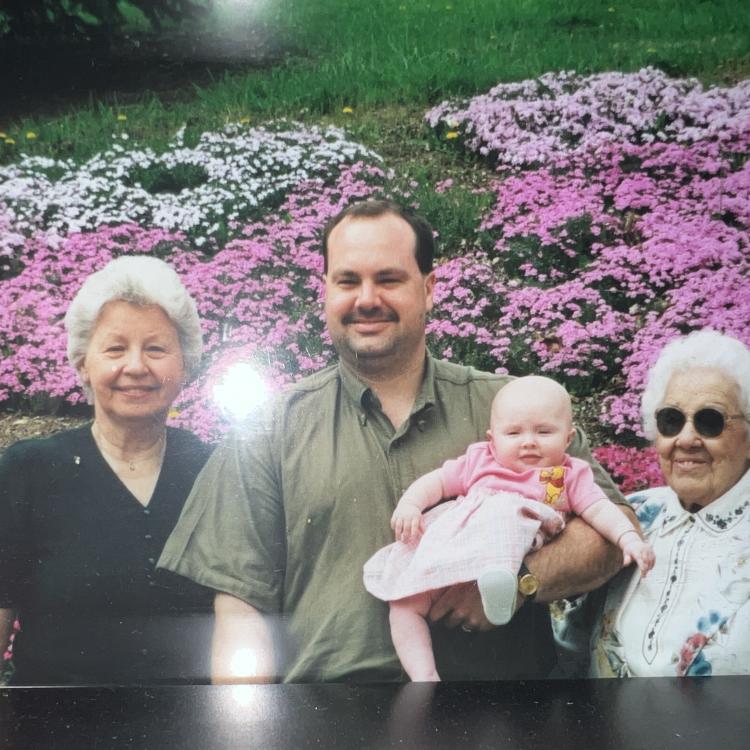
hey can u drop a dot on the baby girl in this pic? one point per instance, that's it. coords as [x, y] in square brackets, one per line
[512, 493]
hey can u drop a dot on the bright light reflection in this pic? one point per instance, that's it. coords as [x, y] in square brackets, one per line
[244, 663]
[240, 391]
[244, 695]
[234, 10]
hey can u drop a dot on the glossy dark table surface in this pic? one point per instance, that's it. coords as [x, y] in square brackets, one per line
[707, 713]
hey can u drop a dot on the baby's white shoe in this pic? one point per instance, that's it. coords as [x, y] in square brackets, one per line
[498, 588]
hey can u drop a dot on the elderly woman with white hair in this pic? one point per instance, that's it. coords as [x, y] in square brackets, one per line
[85, 513]
[691, 615]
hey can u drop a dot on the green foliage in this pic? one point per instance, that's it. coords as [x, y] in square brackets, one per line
[458, 211]
[554, 261]
[160, 179]
[85, 19]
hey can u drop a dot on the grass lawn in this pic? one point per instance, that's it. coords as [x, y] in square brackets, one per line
[403, 56]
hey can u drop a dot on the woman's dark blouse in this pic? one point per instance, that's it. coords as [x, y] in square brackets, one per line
[77, 560]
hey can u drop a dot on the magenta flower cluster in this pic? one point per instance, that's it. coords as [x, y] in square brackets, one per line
[606, 239]
[632, 468]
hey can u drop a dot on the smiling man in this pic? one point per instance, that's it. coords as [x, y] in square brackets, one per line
[287, 511]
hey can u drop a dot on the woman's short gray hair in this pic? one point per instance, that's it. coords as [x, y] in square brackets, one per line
[140, 280]
[705, 350]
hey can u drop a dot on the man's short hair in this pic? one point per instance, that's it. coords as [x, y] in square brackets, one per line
[370, 209]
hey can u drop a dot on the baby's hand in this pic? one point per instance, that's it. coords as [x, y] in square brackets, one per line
[636, 550]
[407, 522]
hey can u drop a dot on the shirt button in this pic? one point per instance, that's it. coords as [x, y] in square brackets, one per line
[147, 536]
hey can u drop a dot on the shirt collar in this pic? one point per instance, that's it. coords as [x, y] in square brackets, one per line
[354, 388]
[363, 396]
[723, 514]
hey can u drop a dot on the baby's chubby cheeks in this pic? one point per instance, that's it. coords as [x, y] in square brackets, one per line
[531, 423]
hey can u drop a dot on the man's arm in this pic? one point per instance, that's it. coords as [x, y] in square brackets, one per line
[242, 650]
[576, 561]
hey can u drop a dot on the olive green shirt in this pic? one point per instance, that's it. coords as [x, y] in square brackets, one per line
[288, 509]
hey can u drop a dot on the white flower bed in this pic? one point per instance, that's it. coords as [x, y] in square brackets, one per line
[239, 171]
[545, 120]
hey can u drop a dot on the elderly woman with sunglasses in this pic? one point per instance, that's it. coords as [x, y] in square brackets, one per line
[86, 512]
[691, 614]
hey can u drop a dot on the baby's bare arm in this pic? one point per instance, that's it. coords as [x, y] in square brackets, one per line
[421, 494]
[609, 521]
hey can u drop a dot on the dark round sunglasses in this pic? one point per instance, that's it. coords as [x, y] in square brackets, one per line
[708, 422]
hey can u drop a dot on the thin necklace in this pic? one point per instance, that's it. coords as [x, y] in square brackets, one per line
[132, 463]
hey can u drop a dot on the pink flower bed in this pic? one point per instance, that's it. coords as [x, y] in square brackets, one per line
[260, 296]
[620, 219]
[632, 468]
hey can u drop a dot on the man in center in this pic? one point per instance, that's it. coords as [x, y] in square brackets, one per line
[288, 509]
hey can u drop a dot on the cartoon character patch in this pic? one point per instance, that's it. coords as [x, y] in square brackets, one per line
[554, 481]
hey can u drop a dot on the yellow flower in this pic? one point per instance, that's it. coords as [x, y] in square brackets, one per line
[3, 134]
[10, 142]
[347, 110]
[30, 135]
[449, 7]
[451, 134]
[244, 120]
[173, 413]
[611, 9]
[121, 117]
[651, 49]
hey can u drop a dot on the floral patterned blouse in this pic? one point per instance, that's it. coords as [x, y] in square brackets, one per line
[691, 614]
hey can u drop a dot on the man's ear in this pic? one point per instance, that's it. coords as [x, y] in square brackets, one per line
[429, 289]
[83, 372]
[489, 435]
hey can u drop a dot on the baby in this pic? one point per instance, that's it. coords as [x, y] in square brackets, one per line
[513, 492]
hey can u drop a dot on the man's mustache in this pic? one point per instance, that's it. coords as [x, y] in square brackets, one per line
[370, 316]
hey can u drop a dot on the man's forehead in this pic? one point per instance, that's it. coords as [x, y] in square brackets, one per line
[380, 240]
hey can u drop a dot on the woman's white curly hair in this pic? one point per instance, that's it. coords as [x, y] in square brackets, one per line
[704, 350]
[140, 280]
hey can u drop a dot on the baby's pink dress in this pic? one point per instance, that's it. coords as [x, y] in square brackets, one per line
[497, 518]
